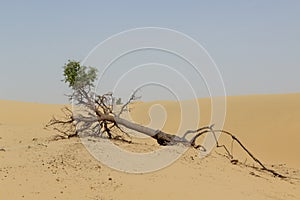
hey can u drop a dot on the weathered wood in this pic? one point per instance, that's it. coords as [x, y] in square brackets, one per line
[105, 120]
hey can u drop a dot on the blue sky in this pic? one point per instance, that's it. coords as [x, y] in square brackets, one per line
[255, 44]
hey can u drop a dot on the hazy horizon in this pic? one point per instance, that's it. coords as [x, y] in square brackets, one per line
[160, 100]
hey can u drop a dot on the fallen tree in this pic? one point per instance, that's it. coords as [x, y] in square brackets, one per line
[98, 117]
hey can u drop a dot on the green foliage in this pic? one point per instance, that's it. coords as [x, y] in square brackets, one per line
[78, 76]
[119, 101]
[70, 72]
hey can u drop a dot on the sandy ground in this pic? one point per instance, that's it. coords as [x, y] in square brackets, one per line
[34, 167]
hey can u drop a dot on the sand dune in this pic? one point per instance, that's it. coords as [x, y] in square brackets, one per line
[268, 124]
[33, 167]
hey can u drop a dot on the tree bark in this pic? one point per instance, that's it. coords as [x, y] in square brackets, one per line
[161, 137]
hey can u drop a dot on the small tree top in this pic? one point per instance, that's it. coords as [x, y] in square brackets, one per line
[78, 76]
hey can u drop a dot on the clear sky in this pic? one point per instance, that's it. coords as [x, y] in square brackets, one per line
[255, 43]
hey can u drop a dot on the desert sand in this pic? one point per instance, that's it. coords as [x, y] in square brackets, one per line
[32, 166]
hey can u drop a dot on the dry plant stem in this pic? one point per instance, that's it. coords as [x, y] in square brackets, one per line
[250, 154]
[217, 143]
[209, 129]
[132, 98]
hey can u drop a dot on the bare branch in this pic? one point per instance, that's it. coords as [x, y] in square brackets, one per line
[195, 131]
[133, 97]
[66, 125]
[250, 154]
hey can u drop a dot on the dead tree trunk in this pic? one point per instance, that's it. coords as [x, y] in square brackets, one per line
[101, 119]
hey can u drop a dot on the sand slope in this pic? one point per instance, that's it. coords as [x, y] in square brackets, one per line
[33, 167]
[268, 124]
